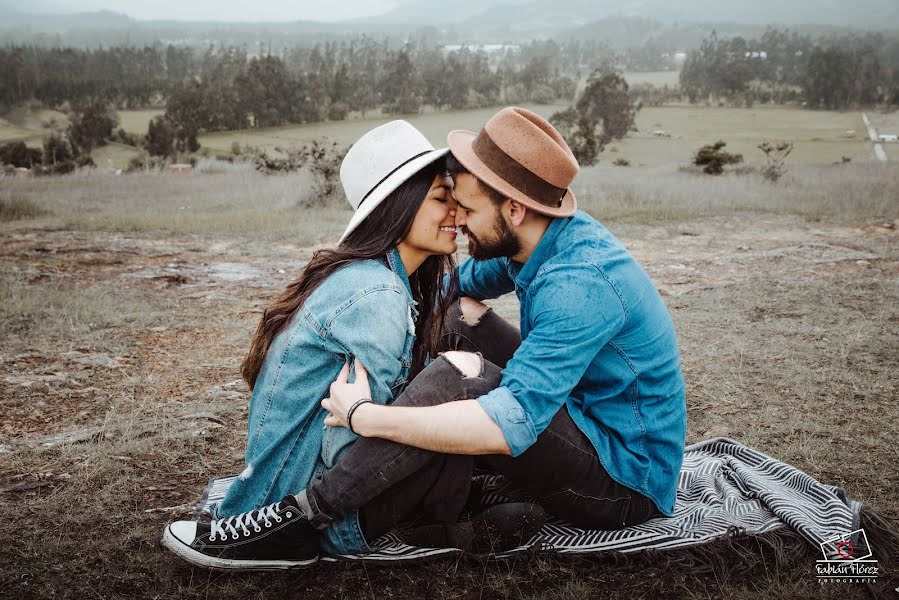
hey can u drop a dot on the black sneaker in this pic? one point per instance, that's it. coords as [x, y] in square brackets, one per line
[498, 529]
[277, 536]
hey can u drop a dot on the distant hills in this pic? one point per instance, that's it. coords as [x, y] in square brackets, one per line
[620, 23]
[534, 15]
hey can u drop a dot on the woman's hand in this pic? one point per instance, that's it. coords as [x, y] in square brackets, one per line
[344, 394]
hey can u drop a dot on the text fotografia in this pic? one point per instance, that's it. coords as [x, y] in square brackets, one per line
[847, 559]
[841, 571]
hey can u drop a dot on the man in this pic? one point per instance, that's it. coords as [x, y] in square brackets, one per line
[587, 413]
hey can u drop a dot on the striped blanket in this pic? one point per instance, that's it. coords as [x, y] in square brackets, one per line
[725, 489]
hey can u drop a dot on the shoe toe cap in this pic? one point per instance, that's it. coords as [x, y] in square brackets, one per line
[184, 531]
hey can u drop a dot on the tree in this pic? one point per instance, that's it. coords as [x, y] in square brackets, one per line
[400, 91]
[92, 127]
[603, 112]
[160, 140]
[18, 154]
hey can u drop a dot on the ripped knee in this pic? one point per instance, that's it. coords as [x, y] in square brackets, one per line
[468, 364]
[472, 310]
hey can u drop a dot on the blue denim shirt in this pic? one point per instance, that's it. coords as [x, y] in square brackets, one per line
[364, 310]
[597, 337]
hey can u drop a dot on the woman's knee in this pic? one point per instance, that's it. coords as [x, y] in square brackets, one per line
[472, 311]
[468, 364]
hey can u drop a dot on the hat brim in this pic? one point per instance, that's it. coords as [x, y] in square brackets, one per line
[386, 187]
[459, 142]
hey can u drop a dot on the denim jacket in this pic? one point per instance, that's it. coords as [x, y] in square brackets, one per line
[597, 337]
[364, 310]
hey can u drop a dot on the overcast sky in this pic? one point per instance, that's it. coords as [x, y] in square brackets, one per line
[206, 10]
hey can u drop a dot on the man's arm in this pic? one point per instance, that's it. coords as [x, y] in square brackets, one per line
[460, 427]
[484, 279]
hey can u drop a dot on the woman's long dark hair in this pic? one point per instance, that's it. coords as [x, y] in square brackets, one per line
[386, 226]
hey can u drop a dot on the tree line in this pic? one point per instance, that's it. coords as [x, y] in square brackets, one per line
[327, 80]
[833, 72]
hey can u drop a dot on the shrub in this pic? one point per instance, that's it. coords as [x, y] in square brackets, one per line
[622, 162]
[320, 157]
[14, 209]
[713, 158]
[18, 154]
[775, 155]
[338, 111]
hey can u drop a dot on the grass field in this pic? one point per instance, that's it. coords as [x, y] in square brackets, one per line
[656, 78]
[137, 121]
[435, 126]
[819, 136]
[126, 304]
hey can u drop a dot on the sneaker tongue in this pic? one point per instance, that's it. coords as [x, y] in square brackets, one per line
[290, 500]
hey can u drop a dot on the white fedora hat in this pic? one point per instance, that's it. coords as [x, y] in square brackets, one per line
[379, 162]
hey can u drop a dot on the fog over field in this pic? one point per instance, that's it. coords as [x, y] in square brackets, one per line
[510, 16]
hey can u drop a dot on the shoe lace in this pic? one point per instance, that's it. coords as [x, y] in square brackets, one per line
[221, 527]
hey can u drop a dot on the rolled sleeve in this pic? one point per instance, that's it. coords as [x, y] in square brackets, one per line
[485, 279]
[517, 427]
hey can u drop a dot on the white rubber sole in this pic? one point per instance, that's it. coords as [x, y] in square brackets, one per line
[225, 564]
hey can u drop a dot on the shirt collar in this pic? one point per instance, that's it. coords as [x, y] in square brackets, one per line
[544, 250]
[395, 262]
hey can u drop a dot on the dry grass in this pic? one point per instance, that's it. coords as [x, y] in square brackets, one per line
[847, 193]
[60, 310]
[14, 209]
[235, 201]
[785, 304]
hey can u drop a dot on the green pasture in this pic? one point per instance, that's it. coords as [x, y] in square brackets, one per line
[137, 121]
[819, 137]
[656, 78]
[434, 125]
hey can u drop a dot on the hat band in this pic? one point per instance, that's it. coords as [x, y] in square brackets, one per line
[514, 173]
[383, 179]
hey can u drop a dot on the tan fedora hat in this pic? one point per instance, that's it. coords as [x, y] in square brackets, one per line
[522, 156]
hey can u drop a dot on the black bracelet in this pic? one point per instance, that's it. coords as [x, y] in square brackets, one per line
[349, 413]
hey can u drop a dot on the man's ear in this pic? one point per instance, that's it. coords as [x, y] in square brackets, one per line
[517, 212]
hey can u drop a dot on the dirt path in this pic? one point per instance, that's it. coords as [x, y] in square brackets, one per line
[879, 153]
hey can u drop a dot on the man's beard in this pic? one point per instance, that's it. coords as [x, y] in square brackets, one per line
[503, 242]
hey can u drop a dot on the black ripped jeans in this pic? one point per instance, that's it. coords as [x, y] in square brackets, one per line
[391, 483]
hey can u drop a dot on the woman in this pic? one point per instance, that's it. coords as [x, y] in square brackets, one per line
[376, 297]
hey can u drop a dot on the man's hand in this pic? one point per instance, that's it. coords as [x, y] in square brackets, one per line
[345, 394]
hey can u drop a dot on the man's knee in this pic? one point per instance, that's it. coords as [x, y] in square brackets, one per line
[472, 310]
[468, 364]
